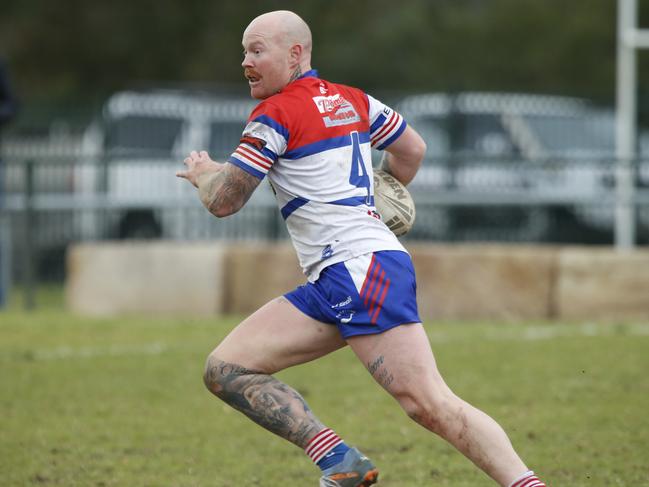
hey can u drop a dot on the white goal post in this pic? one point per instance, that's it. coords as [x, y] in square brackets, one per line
[629, 40]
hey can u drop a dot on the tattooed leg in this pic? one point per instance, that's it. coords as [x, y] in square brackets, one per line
[265, 400]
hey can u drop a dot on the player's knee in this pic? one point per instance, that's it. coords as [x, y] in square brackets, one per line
[221, 376]
[213, 375]
[433, 412]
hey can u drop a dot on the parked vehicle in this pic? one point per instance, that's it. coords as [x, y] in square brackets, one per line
[536, 168]
[136, 146]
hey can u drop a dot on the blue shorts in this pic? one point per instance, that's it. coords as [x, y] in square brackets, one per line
[364, 295]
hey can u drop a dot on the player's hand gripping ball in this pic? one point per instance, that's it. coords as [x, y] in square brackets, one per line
[393, 202]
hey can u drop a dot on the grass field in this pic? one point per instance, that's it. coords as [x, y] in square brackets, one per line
[120, 402]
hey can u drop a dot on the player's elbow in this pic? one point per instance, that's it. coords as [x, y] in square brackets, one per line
[408, 162]
[407, 153]
[218, 205]
[222, 210]
[222, 207]
[417, 151]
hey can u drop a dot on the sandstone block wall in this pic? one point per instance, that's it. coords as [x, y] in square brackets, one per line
[105, 279]
[258, 273]
[602, 284]
[485, 282]
[499, 282]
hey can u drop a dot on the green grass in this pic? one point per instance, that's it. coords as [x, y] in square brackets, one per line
[120, 402]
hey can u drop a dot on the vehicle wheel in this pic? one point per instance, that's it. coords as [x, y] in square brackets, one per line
[139, 225]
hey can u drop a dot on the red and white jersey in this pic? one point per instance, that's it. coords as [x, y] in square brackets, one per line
[313, 140]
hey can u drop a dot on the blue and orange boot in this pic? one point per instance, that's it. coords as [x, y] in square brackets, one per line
[356, 470]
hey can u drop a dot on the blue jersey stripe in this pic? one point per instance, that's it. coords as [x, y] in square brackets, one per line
[249, 169]
[269, 153]
[324, 145]
[312, 73]
[354, 201]
[276, 126]
[394, 136]
[292, 205]
[265, 151]
[377, 123]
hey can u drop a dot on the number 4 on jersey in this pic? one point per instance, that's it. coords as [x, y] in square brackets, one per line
[358, 175]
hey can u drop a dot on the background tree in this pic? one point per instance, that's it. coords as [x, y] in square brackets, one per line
[79, 51]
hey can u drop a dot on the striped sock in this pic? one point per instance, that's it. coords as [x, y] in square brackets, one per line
[528, 479]
[326, 449]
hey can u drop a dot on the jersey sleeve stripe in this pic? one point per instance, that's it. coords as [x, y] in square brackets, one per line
[324, 145]
[269, 154]
[394, 136]
[265, 151]
[253, 156]
[378, 123]
[246, 160]
[387, 127]
[276, 126]
[247, 168]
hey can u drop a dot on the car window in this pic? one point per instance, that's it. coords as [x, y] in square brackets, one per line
[137, 135]
[588, 135]
[483, 133]
[224, 137]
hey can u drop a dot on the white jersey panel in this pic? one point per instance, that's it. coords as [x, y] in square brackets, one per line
[322, 177]
[329, 219]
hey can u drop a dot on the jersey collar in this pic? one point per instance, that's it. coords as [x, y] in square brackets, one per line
[312, 73]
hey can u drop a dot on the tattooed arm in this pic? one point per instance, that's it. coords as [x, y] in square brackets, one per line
[222, 188]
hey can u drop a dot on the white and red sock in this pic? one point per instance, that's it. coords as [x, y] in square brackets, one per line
[528, 479]
[322, 444]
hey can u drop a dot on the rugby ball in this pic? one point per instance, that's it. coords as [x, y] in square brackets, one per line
[393, 203]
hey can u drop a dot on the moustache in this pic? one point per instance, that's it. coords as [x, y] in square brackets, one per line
[248, 73]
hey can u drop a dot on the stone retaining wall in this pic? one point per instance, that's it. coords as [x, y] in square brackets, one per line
[602, 284]
[496, 282]
[107, 279]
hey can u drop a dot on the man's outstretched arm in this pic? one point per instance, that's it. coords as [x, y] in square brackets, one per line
[222, 187]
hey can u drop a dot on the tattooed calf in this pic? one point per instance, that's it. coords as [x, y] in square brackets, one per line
[267, 401]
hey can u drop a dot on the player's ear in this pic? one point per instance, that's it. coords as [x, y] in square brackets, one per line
[295, 53]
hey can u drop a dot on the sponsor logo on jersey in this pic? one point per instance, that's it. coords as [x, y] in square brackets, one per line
[342, 303]
[327, 252]
[336, 110]
[345, 319]
[328, 104]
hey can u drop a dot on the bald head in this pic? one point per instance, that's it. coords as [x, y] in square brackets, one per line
[285, 27]
[277, 51]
